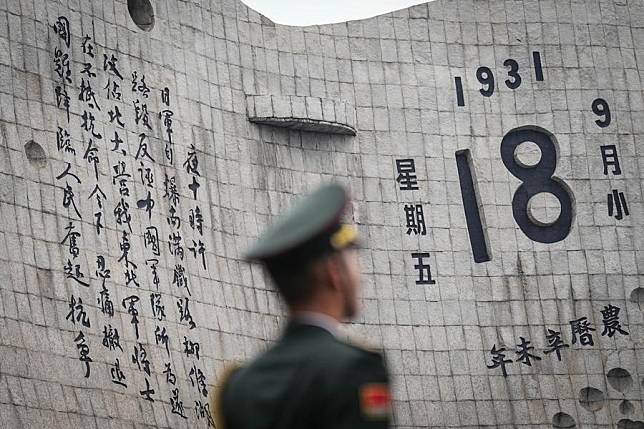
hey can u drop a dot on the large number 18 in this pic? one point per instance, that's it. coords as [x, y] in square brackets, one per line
[536, 179]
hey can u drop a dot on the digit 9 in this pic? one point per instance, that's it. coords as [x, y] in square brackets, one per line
[602, 109]
[485, 76]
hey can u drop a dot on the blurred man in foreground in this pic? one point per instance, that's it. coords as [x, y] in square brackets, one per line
[310, 378]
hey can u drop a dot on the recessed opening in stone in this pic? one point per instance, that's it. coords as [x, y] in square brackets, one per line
[563, 420]
[142, 13]
[637, 296]
[35, 154]
[630, 424]
[544, 209]
[592, 399]
[626, 408]
[527, 154]
[620, 379]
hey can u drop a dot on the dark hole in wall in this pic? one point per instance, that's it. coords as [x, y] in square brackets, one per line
[563, 421]
[592, 399]
[142, 13]
[35, 154]
[620, 379]
[626, 408]
[637, 297]
[630, 424]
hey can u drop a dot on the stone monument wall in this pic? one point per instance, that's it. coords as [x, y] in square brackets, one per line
[494, 150]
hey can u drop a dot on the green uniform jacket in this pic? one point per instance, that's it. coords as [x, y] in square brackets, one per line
[309, 379]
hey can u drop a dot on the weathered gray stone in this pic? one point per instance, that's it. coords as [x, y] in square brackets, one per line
[263, 105]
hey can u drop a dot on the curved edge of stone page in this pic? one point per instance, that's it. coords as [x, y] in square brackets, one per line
[312, 114]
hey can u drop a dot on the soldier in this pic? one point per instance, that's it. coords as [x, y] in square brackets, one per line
[309, 378]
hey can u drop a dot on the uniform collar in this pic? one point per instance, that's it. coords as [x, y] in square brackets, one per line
[319, 320]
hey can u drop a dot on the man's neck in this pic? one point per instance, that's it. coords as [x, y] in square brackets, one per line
[316, 318]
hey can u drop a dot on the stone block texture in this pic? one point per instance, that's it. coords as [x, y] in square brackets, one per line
[132, 180]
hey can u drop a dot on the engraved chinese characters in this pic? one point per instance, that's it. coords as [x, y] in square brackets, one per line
[616, 200]
[582, 333]
[132, 310]
[415, 218]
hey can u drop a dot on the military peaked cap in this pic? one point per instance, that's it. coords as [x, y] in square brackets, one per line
[311, 229]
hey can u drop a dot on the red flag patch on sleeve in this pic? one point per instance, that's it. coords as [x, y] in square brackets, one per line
[375, 401]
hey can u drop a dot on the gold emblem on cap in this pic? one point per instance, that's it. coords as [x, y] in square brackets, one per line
[343, 237]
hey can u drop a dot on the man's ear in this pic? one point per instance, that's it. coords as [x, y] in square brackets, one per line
[332, 271]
